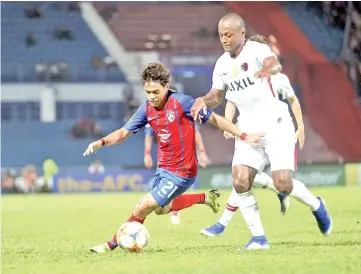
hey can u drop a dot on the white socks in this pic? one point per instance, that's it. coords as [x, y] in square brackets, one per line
[231, 208]
[303, 195]
[249, 208]
[299, 192]
[261, 180]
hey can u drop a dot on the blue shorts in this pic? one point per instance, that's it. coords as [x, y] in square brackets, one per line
[167, 186]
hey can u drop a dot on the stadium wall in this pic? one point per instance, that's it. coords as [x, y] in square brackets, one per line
[211, 177]
[79, 180]
[64, 92]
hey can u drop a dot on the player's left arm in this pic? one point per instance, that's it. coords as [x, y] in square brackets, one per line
[199, 139]
[268, 59]
[135, 123]
[222, 123]
[297, 112]
[148, 143]
[200, 145]
[218, 121]
[283, 86]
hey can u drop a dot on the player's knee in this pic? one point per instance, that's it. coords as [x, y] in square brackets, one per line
[241, 183]
[160, 211]
[283, 184]
[146, 204]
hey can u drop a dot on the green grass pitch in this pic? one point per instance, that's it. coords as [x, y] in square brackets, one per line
[44, 234]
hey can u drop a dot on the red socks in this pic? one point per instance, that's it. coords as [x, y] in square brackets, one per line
[135, 219]
[187, 200]
[113, 242]
[181, 202]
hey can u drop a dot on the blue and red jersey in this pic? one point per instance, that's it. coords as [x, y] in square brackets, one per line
[149, 131]
[174, 129]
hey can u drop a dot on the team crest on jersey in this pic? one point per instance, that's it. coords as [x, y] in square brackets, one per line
[170, 116]
[244, 66]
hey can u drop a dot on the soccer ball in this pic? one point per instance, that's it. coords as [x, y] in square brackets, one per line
[133, 236]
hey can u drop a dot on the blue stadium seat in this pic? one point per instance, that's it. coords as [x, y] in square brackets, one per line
[18, 61]
[31, 142]
[30, 111]
[328, 40]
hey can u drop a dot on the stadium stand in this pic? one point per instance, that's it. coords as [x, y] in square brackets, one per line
[174, 29]
[191, 26]
[52, 140]
[327, 40]
[20, 62]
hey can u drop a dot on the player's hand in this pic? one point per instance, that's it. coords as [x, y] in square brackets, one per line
[203, 159]
[255, 139]
[148, 161]
[262, 74]
[300, 135]
[228, 135]
[92, 148]
[198, 105]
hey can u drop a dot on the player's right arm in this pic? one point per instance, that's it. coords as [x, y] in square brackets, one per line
[213, 98]
[148, 142]
[135, 123]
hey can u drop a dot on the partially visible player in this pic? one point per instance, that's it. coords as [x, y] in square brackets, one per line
[148, 161]
[243, 74]
[168, 113]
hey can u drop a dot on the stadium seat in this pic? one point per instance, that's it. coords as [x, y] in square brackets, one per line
[327, 40]
[18, 61]
[52, 140]
[134, 22]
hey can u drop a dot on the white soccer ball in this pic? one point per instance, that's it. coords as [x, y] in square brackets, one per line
[133, 236]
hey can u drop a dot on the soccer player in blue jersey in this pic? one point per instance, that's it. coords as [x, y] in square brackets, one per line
[148, 161]
[168, 113]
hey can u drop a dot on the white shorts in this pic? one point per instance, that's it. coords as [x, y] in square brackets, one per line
[279, 150]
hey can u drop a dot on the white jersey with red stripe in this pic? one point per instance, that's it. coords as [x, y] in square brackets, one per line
[259, 108]
[257, 103]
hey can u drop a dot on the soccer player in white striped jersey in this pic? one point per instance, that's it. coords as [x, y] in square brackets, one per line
[282, 86]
